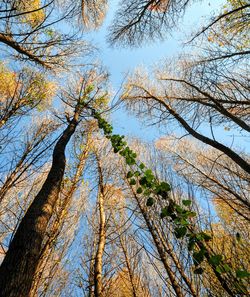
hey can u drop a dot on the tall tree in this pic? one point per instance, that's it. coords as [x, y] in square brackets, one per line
[19, 266]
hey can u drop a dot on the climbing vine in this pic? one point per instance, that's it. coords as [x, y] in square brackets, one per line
[146, 184]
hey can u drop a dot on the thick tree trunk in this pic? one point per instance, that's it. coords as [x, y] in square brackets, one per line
[56, 227]
[19, 266]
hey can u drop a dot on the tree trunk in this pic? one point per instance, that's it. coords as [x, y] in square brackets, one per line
[161, 251]
[176, 261]
[98, 286]
[19, 266]
[130, 272]
[56, 227]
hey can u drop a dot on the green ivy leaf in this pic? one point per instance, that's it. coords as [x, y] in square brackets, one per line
[215, 260]
[180, 232]
[238, 237]
[178, 209]
[242, 273]
[191, 214]
[116, 150]
[226, 268]
[141, 166]
[132, 182]
[198, 257]
[143, 181]
[219, 269]
[150, 201]
[184, 222]
[164, 212]
[147, 192]
[165, 186]
[191, 244]
[149, 173]
[206, 237]
[186, 202]
[130, 174]
[139, 190]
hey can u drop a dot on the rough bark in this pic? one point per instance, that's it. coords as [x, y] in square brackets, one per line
[19, 266]
[57, 225]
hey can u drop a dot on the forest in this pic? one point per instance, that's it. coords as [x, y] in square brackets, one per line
[88, 209]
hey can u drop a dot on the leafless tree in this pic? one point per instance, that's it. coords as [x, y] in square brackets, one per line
[137, 21]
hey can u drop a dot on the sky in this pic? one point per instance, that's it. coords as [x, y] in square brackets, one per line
[121, 61]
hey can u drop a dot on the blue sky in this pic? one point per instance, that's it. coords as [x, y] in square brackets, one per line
[121, 61]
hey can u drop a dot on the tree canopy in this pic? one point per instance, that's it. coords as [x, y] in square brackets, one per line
[87, 211]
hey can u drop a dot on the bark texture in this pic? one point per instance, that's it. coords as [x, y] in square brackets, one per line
[19, 266]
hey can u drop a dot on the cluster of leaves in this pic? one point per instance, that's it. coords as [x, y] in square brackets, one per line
[233, 28]
[40, 89]
[31, 12]
[180, 215]
[32, 88]
[8, 82]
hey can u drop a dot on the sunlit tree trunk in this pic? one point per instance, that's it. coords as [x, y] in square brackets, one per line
[127, 262]
[60, 217]
[161, 251]
[98, 284]
[19, 266]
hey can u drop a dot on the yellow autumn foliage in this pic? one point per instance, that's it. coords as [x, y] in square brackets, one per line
[8, 83]
[35, 13]
[230, 238]
[114, 197]
[25, 88]
[120, 286]
[233, 29]
[40, 90]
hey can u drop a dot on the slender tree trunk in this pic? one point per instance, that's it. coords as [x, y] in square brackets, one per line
[92, 270]
[98, 285]
[161, 251]
[176, 261]
[19, 266]
[130, 272]
[227, 151]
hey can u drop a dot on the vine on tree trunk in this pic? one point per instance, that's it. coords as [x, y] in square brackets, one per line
[146, 184]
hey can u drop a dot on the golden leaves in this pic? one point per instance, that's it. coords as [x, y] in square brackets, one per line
[34, 13]
[8, 83]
